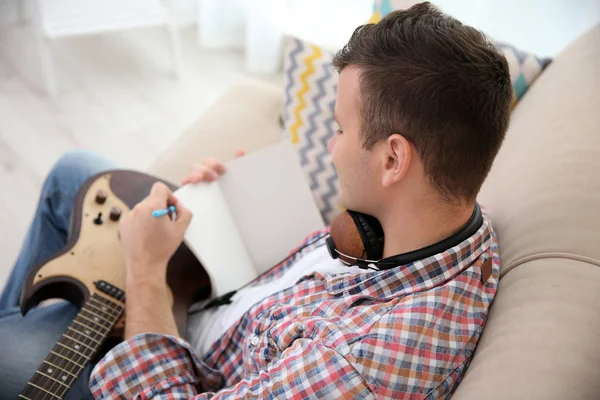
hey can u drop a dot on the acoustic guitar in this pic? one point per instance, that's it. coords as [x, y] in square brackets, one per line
[90, 273]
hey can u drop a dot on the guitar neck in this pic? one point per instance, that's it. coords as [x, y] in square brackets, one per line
[79, 344]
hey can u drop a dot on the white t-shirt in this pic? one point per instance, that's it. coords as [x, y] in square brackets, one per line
[205, 327]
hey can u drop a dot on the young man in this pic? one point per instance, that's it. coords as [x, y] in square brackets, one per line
[422, 107]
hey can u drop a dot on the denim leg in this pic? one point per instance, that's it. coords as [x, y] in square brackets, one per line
[25, 342]
[49, 229]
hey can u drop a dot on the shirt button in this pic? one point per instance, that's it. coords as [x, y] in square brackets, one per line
[301, 327]
[255, 341]
[259, 316]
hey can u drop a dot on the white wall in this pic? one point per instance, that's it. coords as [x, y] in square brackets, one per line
[185, 11]
[221, 23]
[326, 22]
[541, 26]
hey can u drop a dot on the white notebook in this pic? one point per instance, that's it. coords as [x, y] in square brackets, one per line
[251, 218]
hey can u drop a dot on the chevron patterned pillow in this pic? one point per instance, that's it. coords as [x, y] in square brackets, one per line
[524, 68]
[310, 84]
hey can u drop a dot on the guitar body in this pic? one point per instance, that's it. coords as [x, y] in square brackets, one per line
[93, 251]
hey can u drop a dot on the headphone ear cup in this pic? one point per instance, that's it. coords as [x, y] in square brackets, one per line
[371, 233]
[345, 238]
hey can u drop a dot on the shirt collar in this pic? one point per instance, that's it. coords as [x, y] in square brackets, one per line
[416, 276]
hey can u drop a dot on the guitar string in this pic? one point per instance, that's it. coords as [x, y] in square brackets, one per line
[64, 387]
[64, 361]
[71, 362]
[114, 318]
[47, 384]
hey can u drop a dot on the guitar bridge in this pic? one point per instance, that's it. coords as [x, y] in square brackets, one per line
[110, 290]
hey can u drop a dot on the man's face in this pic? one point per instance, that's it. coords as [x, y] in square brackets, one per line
[357, 168]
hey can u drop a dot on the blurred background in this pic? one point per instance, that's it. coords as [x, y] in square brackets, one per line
[127, 77]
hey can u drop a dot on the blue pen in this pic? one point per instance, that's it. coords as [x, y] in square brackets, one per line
[164, 211]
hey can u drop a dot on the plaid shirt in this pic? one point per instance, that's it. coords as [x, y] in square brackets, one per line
[405, 332]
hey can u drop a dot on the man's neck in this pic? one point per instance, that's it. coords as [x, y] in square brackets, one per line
[412, 228]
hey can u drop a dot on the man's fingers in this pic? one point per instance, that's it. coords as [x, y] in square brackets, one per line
[239, 153]
[160, 190]
[184, 216]
[209, 170]
[195, 174]
[209, 175]
[214, 165]
[200, 173]
[173, 201]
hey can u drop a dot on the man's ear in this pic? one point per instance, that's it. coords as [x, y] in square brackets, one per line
[397, 158]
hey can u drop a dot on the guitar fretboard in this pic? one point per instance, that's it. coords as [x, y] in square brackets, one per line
[76, 347]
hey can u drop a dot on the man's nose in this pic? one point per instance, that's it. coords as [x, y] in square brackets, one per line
[331, 143]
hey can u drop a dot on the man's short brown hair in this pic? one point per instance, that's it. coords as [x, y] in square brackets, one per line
[440, 84]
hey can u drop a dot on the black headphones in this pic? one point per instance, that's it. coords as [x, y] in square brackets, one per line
[365, 247]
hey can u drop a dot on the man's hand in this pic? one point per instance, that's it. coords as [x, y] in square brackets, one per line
[208, 170]
[148, 242]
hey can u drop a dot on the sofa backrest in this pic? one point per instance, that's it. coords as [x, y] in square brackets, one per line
[543, 197]
[543, 192]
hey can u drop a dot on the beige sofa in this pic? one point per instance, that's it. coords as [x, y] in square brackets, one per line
[542, 339]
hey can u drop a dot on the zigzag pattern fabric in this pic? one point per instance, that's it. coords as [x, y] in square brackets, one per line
[524, 68]
[310, 88]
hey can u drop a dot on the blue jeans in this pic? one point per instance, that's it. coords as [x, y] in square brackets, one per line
[26, 341]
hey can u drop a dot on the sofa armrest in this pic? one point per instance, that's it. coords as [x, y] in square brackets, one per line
[247, 117]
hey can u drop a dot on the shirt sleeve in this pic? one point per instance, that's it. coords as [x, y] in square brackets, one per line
[152, 366]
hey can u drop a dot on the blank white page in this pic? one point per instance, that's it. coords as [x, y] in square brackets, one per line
[214, 239]
[270, 202]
